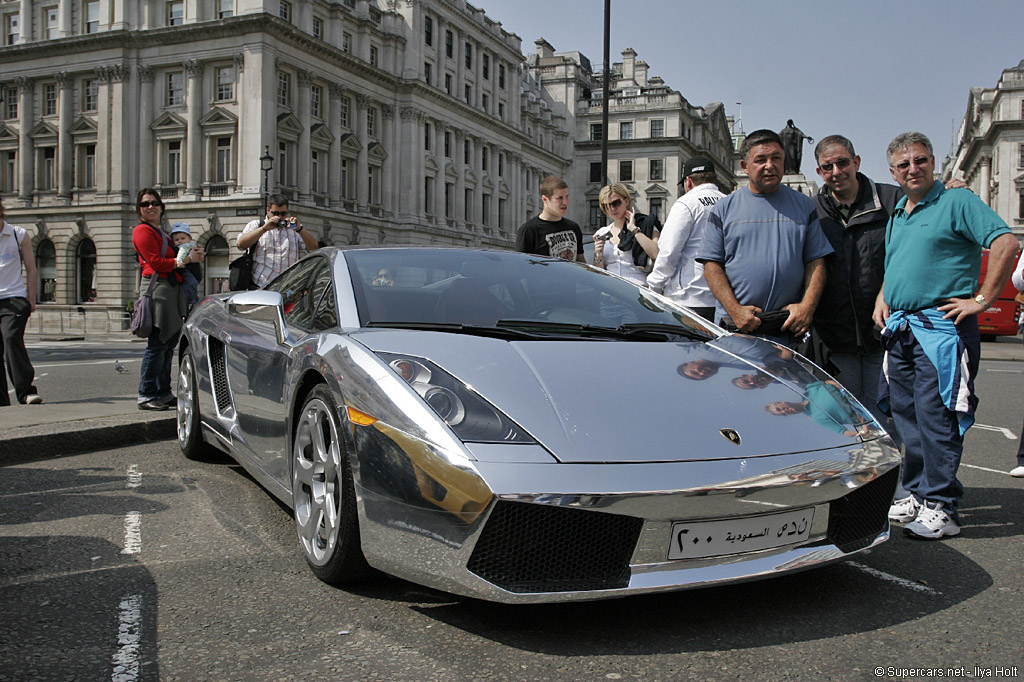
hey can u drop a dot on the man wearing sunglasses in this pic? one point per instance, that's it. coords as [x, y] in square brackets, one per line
[280, 241]
[853, 211]
[929, 310]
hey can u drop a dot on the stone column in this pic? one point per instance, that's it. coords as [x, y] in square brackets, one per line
[458, 52]
[478, 71]
[439, 207]
[25, 22]
[305, 121]
[461, 217]
[194, 136]
[104, 133]
[120, 181]
[407, 205]
[390, 135]
[335, 93]
[478, 193]
[26, 152]
[362, 160]
[147, 169]
[985, 191]
[65, 144]
[496, 192]
[64, 27]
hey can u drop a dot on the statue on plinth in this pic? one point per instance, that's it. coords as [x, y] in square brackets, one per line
[793, 145]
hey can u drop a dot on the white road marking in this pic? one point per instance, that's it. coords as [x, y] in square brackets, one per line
[132, 533]
[903, 582]
[80, 364]
[994, 471]
[129, 637]
[1007, 371]
[998, 429]
[134, 476]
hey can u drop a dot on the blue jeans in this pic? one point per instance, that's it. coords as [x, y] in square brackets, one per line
[155, 381]
[930, 431]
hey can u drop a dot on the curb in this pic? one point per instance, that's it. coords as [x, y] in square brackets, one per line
[88, 435]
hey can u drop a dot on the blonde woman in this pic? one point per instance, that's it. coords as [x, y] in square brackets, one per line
[629, 244]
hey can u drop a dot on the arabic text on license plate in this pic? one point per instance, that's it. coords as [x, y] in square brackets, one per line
[695, 540]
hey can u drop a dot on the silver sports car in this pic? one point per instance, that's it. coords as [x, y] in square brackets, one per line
[526, 429]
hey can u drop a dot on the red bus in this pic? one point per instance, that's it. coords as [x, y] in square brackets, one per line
[1001, 319]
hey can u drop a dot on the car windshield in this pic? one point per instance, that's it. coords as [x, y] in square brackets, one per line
[451, 289]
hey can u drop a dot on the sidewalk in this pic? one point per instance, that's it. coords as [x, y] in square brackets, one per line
[54, 429]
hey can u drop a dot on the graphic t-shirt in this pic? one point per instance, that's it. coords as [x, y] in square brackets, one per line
[561, 238]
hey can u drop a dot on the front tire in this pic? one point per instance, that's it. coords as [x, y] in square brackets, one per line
[323, 494]
[190, 437]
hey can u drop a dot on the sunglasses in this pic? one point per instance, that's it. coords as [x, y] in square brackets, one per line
[839, 163]
[919, 161]
[279, 214]
[613, 204]
[149, 204]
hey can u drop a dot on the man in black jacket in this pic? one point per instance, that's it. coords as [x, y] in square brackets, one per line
[853, 211]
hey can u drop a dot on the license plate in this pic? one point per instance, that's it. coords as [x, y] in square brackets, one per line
[695, 540]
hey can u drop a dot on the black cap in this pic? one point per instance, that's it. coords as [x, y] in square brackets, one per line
[696, 164]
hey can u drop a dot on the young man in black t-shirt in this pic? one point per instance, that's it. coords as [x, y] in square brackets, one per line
[550, 234]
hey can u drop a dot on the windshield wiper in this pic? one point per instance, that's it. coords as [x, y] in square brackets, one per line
[642, 331]
[475, 330]
[673, 329]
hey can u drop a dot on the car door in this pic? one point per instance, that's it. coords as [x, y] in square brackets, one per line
[259, 365]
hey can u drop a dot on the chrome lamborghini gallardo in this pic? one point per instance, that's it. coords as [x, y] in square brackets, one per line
[525, 429]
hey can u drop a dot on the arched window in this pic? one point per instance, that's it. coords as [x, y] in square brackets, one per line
[85, 268]
[216, 266]
[46, 263]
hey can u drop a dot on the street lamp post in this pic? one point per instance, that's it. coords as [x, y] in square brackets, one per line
[266, 165]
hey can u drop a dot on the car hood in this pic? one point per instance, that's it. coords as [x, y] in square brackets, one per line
[618, 401]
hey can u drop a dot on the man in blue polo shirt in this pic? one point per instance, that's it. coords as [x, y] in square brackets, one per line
[929, 311]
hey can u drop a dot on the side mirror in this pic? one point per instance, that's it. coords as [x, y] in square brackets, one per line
[265, 306]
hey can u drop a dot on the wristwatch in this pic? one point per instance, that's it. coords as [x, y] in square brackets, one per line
[981, 300]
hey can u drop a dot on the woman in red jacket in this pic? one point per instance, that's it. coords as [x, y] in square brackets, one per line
[156, 257]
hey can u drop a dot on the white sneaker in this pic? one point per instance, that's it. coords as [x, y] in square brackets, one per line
[932, 523]
[904, 510]
[1017, 472]
[33, 399]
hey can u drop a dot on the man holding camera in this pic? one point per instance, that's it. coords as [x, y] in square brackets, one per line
[280, 241]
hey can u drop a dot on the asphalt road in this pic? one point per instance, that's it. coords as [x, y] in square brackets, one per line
[136, 564]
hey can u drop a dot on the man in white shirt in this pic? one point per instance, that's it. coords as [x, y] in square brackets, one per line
[280, 241]
[676, 274]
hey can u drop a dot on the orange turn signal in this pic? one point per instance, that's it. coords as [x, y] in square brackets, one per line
[357, 417]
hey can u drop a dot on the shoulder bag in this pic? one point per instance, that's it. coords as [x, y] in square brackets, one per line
[240, 271]
[142, 315]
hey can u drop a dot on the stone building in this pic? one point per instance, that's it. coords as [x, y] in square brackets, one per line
[397, 122]
[988, 148]
[652, 130]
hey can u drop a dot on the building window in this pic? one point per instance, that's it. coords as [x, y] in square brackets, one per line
[46, 264]
[465, 152]
[318, 28]
[90, 94]
[8, 171]
[469, 93]
[625, 171]
[428, 195]
[51, 22]
[485, 102]
[371, 121]
[10, 103]
[447, 145]
[596, 132]
[284, 10]
[316, 97]
[654, 207]
[373, 188]
[282, 164]
[87, 169]
[50, 99]
[596, 215]
[469, 56]
[172, 171]
[486, 66]
[448, 83]
[468, 198]
[1020, 205]
[501, 213]
[501, 165]
[501, 110]
[175, 89]
[284, 89]
[426, 136]
[91, 23]
[449, 44]
[225, 9]
[657, 169]
[175, 13]
[314, 171]
[11, 30]
[225, 83]
[223, 171]
[346, 180]
[658, 128]
[484, 157]
[346, 42]
[428, 30]
[501, 76]
[426, 72]
[595, 171]
[373, 55]
[485, 209]
[85, 264]
[343, 112]
[626, 130]
[448, 208]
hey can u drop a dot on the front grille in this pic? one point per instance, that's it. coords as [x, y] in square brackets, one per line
[855, 520]
[538, 548]
[221, 393]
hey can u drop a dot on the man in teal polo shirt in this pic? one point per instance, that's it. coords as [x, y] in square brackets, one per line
[929, 311]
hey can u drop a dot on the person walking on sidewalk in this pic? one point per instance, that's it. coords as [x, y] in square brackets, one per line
[17, 302]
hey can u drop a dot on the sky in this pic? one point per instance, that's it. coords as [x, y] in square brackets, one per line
[866, 69]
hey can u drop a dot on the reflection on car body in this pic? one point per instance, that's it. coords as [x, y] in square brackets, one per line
[433, 414]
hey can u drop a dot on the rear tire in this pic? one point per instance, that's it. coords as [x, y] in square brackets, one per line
[190, 436]
[323, 494]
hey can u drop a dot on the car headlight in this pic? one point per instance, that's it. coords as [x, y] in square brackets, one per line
[472, 418]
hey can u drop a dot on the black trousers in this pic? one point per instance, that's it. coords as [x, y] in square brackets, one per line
[14, 314]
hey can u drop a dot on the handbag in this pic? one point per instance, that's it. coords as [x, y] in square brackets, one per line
[142, 316]
[240, 271]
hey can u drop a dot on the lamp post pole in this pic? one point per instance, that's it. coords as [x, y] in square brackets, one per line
[266, 164]
[604, 91]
